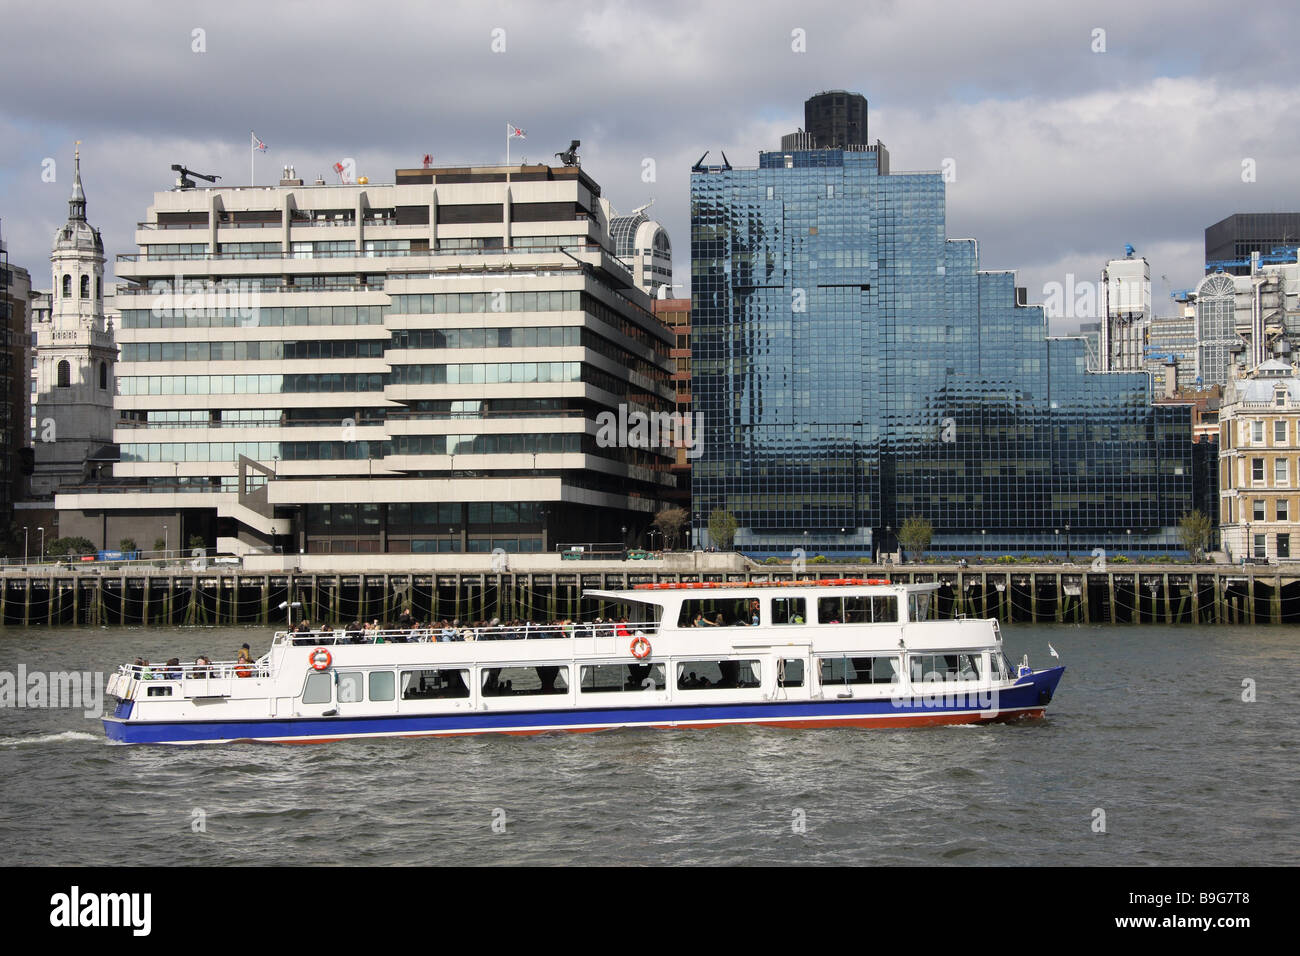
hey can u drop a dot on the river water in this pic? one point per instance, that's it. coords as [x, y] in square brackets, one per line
[1148, 728]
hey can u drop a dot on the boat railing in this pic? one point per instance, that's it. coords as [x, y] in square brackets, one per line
[216, 670]
[432, 634]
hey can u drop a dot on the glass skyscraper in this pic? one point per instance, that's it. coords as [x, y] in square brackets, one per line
[855, 368]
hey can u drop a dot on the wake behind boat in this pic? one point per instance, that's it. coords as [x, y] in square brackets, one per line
[831, 653]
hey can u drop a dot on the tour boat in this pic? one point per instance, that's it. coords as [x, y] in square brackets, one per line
[828, 653]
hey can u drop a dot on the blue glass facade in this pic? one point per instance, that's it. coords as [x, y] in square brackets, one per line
[855, 368]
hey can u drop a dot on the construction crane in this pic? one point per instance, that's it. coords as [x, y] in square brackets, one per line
[184, 182]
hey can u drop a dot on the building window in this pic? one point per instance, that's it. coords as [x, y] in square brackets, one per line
[1282, 509]
[1258, 510]
[1257, 433]
[1279, 432]
[1280, 472]
[85, 287]
[103, 375]
[1284, 546]
[67, 286]
[1257, 469]
[64, 374]
[1261, 547]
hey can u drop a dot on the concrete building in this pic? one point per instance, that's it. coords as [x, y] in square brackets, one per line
[1126, 312]
[414, 367]
[75, 358]
[1259, 464]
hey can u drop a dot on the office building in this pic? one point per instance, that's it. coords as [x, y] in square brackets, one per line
[1230, 242]
[642, 244]
[675, 314]
[1245, 320]
[1126, 312]
[15, 295]
[1259, 464]
[854, 368]
[419, 366]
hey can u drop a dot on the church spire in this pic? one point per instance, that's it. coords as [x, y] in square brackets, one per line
[77, 203]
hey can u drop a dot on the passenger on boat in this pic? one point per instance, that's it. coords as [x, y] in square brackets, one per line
[405, 620]
[698, 620]
[303, 629]
[173, 671]
[201, 665]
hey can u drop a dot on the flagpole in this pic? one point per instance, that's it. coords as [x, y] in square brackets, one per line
[508, 131]
[252, 155]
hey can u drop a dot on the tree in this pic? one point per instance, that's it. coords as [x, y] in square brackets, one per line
[160, 544]
[128, 545]
[1194, 530]
[71, 545]
[670, 522]
[197, 541]
[722, 529]
[914, 536]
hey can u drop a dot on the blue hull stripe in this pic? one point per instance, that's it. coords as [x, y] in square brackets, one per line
[1028, 693]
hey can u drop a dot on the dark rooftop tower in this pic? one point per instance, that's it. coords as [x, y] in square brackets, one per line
[836, 119]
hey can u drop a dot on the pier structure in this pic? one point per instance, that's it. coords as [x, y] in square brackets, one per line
[186, 596]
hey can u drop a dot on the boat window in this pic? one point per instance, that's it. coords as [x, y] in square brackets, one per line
[604, 678]
[789, 673]
[998, 667]
[435, 684]
[845, 609]
[160, 691]
[525, 681]
[351, 687]
[936, 667]
[319, 689]
[381, 685]
[711, 675]
[969, 666]
[860, 670]
[918, 606]
[700, 612]
[788, 611]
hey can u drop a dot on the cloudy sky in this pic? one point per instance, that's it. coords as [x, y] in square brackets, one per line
[1067, 142]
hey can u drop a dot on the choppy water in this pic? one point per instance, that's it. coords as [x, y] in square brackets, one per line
[1148, 726]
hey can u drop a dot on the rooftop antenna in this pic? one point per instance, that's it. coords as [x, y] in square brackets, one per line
[699, 163]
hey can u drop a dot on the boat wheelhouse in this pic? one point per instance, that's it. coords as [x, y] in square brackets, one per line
[841, 652]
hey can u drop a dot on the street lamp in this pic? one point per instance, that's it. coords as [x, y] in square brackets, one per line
[290, 605]
[24, 546]
[1057, 532]
[984, 547]
[1067, 544]
[42, 531]
[165, 540]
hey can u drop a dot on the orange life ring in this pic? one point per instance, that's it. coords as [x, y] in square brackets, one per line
[640, 647]
[320, 659]
[243, 670]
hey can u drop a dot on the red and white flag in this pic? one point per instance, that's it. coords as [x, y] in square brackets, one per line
[515, 132]
[257, 143]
